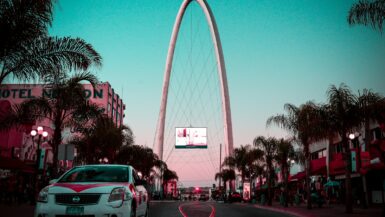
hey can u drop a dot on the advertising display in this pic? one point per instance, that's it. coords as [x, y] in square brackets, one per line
[186, 137]
[246, 191]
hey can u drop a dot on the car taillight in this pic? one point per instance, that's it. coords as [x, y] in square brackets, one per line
[132, 189]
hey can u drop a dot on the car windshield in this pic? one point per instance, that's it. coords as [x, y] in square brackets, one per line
[96, 174]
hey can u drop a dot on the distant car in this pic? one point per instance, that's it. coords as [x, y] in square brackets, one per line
[94, 190]
[203, 197]
[235, 197]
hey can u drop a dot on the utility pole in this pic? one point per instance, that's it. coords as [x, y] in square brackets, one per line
[220, 164]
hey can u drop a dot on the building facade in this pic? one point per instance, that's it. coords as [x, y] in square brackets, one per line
[17, 143]
[367, 160]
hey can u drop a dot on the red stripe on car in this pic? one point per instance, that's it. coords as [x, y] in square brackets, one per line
[82, 187]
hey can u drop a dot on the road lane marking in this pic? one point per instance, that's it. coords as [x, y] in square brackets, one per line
[212, 213]
[181, 211]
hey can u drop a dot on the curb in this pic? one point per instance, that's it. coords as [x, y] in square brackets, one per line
[163, 201]
[284, 210]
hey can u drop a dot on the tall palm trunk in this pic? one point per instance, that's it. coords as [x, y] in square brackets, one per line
[307, 175]
[56, 141]
[367, 142]
[348, 181]
[269, 186]
[285, 184]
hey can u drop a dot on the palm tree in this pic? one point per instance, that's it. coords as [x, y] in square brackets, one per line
[368, 13]
[372, 107]
[285, 153]
[226, 175]
[169, 175]
[27, 52]
[243, 159]
[134, 155]
[66, 108]
[102, 139]
[269, 147]
[304, 124]
[344, 116]
[23, 21]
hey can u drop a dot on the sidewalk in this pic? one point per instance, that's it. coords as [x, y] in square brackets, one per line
[334, 210]
[24, 210]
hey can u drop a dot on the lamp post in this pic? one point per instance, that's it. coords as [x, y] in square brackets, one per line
[162, 167]
[353, 136]
[41, 133]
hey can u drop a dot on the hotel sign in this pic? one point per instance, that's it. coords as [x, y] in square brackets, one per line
[30, 93]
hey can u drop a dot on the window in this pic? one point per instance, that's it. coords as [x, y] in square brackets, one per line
[96, 174]
[376, 133]
[314, 155]
[318, 154]
[324, 153]
[338, 148]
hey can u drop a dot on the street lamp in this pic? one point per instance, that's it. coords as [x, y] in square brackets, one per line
[40, 131]
[353, 136]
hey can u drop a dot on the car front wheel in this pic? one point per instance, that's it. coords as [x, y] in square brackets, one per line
[133, 210]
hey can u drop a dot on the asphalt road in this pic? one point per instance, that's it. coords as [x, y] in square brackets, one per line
[171, 209]
[207, 209]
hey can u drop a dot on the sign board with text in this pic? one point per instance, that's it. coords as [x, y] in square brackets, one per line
[186, 137]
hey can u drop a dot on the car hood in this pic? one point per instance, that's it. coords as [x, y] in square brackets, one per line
[88, 187]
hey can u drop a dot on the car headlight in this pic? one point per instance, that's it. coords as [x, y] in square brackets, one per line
[117, 194]
[43, 195]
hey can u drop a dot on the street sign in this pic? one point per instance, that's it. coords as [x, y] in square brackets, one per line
[66, 152]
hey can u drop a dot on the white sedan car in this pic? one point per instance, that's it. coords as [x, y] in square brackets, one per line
[94, 191]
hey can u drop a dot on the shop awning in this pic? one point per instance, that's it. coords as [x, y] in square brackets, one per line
[318, 166]
[370, 167]
[16, 164]
[298, 176]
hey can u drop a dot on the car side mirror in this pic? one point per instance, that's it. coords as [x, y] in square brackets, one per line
[52, 181]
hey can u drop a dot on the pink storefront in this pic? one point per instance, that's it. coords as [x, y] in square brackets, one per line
[16, 144]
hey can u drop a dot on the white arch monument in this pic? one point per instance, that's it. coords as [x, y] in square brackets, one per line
[228, 131]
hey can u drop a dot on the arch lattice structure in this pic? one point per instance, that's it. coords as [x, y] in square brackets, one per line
[227, 125]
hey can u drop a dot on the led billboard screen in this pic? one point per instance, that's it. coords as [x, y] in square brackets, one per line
[186, 137]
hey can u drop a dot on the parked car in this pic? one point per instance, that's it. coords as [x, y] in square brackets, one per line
[235, 197]
[94, 190]
[203, 197]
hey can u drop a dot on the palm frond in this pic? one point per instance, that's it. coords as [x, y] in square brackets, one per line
[368, 13]
[22, 21]
[82, 76]
[51, 54]
[25, 113]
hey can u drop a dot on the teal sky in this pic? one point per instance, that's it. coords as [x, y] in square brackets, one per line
[276, 52]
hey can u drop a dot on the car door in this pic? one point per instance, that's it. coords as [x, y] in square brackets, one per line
[141, 195]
